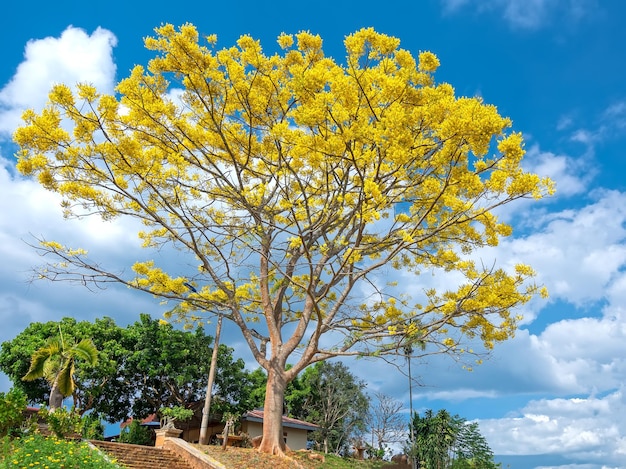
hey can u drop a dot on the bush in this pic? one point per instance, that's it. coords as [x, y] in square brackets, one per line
[136, 434]
[13, 420]
[63, 422]
[93, 429]
[53, 453]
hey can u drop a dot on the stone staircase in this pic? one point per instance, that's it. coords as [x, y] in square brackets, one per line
[141, 457]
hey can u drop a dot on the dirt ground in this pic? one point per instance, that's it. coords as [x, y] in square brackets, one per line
[248, 458]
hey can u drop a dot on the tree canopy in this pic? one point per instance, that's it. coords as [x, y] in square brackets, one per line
[444, 441]
[291, 181]
[141, 368]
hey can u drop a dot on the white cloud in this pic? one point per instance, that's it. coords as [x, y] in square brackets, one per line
[28, 210]
[525, 14]
[583, 428]
[571, 175]
[616, 110]
[564, 122]
[576, 252]
[72, 58]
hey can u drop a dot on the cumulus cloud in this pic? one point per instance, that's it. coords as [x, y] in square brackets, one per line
[571, 175]
[585, 428]
[28, 211]
[74, 57]
[577, 252]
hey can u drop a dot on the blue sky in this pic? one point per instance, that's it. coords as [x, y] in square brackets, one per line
[554, 396]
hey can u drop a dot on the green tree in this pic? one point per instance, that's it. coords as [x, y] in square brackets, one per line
[443, 441]
[258, 385]
[141, 368]
[296, 393]
[169, 367]
[136, 434]
[334, 400]
[326, 394]
[288, 182]
[91, 382]
[56, 363]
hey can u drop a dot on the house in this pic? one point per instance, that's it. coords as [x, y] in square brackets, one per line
[190, 428]
[295, 432]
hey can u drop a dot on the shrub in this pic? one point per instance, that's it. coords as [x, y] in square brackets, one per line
[136, 434]
[54, 453]
[13, 420]
[62, 422]
[93, 429]
[172, 414]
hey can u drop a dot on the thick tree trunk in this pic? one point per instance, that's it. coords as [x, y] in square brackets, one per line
[273, 441]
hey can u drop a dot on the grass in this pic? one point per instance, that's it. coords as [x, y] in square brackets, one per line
[37, 451]
[247, 458]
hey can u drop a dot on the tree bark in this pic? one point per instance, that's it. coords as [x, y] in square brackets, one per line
[56, 398]
[273, 441]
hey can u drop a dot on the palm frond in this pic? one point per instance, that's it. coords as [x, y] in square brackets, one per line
[65, 379]
[39, 360]
[86, 350]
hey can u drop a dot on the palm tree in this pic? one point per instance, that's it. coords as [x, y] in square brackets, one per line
[56, 361]
[444, 441]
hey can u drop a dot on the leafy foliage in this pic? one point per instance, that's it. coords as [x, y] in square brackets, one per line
[56, 362]
[169, 367]
[62, 422]
[169, 415]
[326, 394]
[15, 359]
[141, 368]
[136, 434]
[443, 441]
[12, 408]
[336, 402]
[290, 180]
[296, 393]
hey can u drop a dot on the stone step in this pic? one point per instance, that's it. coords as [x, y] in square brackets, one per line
[141, 457]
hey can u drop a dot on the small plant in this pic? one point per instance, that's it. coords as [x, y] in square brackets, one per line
[54, 453]
[136, 434]
[93, 429]
[13, 421]
[375, 453]
[63, 422]
[246, 441]
[169, 415]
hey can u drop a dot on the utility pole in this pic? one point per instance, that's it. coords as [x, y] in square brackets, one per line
[408, 350]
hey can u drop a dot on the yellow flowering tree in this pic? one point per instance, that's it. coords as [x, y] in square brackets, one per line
[290, 181]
